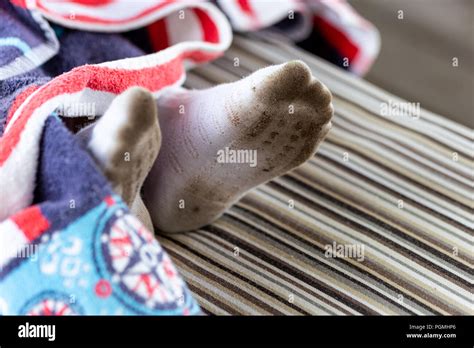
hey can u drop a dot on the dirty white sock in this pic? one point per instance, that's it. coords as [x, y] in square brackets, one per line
[220, 142]
[125, 142]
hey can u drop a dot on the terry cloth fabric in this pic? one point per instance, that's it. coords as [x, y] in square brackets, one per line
[26, 40]
[331, 29]
[135, 276]
[399, 185]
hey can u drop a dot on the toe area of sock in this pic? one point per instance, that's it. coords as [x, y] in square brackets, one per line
[318, 97]
[140, 103]
[318, 94]
[287, 81]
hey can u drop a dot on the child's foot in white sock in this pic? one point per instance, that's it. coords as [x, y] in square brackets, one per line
[125, 142]
[281, 113]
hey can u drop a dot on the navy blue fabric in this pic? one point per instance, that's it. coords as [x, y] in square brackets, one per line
[66, 176]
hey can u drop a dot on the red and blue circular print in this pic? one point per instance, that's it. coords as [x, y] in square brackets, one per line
[52, 303]
[141, 274]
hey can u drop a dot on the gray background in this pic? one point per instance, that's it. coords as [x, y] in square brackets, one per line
[415, 60]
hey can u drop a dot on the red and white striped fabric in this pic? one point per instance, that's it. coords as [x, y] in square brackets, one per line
[351, 35]
[251, 15]
[203, 36]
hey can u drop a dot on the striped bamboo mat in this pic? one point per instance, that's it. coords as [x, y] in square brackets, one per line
[398, 186]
